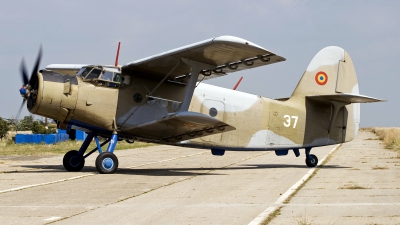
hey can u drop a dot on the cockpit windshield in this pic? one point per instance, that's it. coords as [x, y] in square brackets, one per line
[94, 74]
[101, 76]
[84, 71]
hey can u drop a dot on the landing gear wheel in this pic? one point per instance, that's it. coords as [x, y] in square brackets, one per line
[106, 163]
[72, 162]
[312, 161]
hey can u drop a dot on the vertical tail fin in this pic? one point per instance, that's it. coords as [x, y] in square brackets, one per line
[330, 71]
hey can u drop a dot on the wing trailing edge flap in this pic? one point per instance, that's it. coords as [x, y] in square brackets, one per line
[346, 98]
[179, 127]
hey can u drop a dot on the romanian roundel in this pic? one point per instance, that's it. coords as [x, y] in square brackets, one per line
[321, 78]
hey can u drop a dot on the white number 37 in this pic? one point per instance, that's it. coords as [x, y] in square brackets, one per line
[289, 121]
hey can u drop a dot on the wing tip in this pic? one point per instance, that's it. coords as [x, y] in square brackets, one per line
[236, 40]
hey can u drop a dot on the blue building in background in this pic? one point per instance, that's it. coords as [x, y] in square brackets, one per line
[48, 138]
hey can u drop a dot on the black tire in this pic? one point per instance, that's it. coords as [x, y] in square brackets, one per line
[106, 163]
[312, 162]
[72, 162]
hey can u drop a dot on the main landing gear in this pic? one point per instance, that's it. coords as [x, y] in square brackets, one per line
[106, 162]
[311, 160]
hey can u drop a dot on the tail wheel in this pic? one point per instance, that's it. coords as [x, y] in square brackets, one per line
[312, 161]
[106, 163]
[72, 162]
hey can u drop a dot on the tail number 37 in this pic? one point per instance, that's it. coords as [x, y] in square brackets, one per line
[289, 120]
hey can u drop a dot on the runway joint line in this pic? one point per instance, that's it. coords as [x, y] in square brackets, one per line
[91, 174]
[280, 202]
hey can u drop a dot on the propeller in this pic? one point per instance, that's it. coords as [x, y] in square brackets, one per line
[28, 81]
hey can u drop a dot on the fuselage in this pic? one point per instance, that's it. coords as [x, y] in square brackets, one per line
[261, 123]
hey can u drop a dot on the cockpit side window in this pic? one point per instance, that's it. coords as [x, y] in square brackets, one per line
[93, 75]
[117, 78]
[107, 75]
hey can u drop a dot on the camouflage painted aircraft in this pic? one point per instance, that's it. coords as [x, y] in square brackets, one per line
[161, 99]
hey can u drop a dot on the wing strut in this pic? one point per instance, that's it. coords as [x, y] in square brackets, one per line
[197, 67]
[165, 77]
[151, 92]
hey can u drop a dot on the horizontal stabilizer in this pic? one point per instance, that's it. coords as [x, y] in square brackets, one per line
[179, 127]
[347, 98]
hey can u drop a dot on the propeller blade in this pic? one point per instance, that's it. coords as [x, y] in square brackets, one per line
[36, 68]
[20, 109]
[24, 73]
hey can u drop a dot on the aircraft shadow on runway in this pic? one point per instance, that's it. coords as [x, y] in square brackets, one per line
[175, 171]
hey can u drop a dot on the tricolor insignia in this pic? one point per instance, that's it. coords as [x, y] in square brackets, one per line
[321, 78]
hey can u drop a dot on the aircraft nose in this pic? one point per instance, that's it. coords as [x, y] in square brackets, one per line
[56, 96]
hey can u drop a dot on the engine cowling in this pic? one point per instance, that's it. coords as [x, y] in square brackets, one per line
[54, 96]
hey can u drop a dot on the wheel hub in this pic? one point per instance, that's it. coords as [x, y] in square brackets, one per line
[107, 163]
[74, 161]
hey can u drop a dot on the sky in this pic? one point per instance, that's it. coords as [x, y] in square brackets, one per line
[88, 32]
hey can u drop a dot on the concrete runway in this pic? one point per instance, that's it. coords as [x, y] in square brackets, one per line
[172, 185]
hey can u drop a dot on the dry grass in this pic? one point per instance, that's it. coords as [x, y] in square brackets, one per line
[352, 186]
[380, 168]
[10, 148]
[303, 222]
[390, 136]
[272, 216]
[367, 129]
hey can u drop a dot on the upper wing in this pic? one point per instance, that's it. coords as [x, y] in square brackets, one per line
[70, 69]
[227, 53]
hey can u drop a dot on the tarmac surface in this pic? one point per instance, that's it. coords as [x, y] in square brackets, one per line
[359, 184]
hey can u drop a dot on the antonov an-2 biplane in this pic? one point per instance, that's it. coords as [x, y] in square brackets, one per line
[161, 99]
